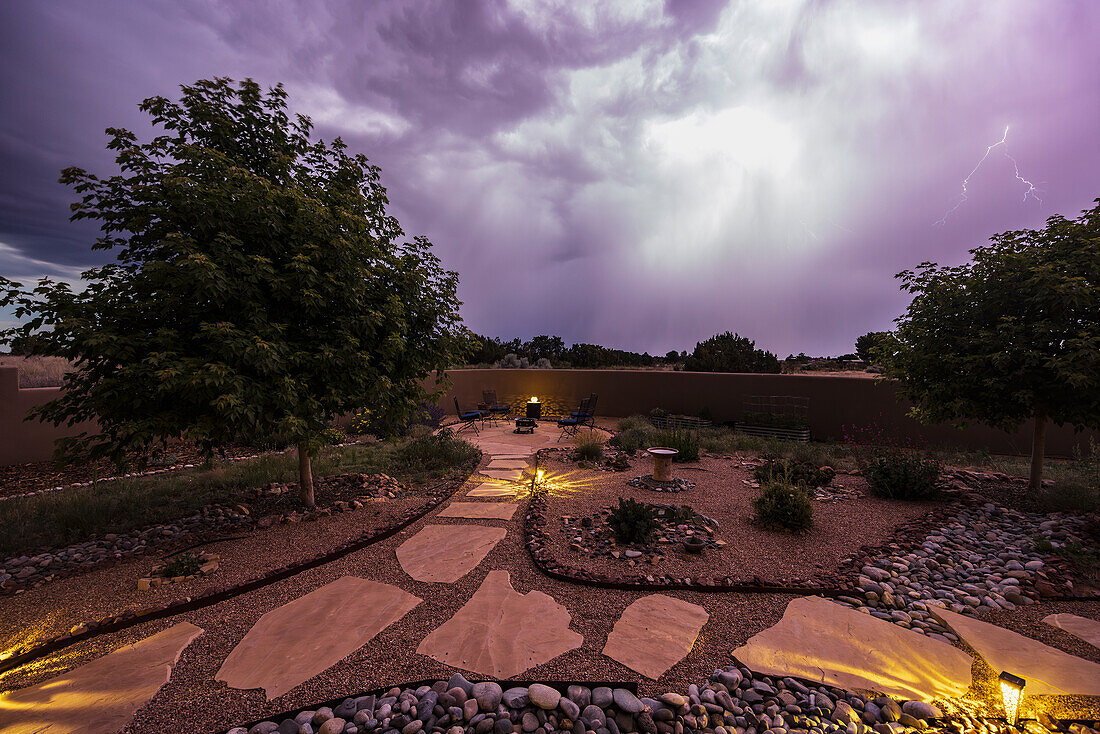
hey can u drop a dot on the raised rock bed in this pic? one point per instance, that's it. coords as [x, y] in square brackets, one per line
[592, 536]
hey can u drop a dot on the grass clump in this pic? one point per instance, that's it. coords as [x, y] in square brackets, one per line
[683, 440]
[784, 506]
[589, 446]
[798, 473]
[632, 521]
[55, 519]
[902, 475]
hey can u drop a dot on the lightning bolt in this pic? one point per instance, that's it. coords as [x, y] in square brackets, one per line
[1031, 191]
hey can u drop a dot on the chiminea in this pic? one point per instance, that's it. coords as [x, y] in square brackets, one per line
[534, 409]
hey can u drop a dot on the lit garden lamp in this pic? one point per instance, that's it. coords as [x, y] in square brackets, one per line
[1012, 690]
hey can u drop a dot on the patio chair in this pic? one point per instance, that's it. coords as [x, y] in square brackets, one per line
[587, 418]
[469, 419]
[496, 410]
[575, 420]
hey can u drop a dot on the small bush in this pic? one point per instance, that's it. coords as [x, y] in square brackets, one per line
[185, 564]
[635, 422]
[334, 436]
[902, 476]
[684, 440]
[633, 439]
[589, 446]
[632, 521]
[683, 515]
[1073, 498]
[435, 452]
[784, 507]
[798, 473]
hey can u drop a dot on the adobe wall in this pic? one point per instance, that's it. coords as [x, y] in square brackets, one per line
[25, 441]
[835, 401]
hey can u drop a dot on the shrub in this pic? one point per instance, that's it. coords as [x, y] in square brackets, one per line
[633, 439]
[589, 446]
[632, 521]
[684, 440]
[334, 436]
[683, 515]
[441, 451]
[902, 475]
[798, 473]
[185, 564]
[784, 507]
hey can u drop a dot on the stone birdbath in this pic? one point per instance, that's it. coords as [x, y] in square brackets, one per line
[662, 462]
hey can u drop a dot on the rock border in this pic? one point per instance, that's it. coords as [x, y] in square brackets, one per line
[87, 630]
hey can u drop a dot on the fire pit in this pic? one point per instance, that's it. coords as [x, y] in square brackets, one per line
[534, 409]
[526, 425]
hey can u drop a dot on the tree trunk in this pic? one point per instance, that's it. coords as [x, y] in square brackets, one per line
[1038, 444]
[305, 476]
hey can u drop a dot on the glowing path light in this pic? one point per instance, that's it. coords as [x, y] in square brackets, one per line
[1032, 190]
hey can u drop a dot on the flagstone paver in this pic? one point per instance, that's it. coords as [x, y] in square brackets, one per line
[494, 464]
[494, 489]
[1047, 670]
[1080, 627]
[99, 697]
[503, 475]
[825, 642]
[294, 642]
[501, 633]
[654, 633]
[480, 510]
[446, 553]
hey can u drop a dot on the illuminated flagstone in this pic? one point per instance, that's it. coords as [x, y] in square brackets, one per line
[294, 642]
[1080, 627]
[822, 641]
[501, 633]
[654, 633]
[480, 510]
[1047, 671]
[495, 489]
[99, 697]
[506, 465]
[446, 553]
[503, 475]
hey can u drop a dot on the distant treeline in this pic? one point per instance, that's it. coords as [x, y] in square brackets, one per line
[725, 352]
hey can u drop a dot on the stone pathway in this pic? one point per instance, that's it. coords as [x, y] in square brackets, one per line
[501, 633]
[294, 642]
[654, 633]
[446, 553]
[1047, 670]
[826, 642]
[480, 510]
[101, 696]
[1081, 628]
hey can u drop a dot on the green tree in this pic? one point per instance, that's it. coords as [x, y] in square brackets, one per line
[1011, 335]
[730, 353]
[259, 286]
[869, 346]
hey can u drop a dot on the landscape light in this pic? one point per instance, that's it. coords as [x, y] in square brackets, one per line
[1012, 690]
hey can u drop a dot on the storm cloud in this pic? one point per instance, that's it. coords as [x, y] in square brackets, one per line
[638, 174]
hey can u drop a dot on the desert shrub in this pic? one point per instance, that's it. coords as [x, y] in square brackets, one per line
[902, 475]
[783, 506]
[589, 446]
[682, 515]
[334, 436]
[1074, 498]
[543, 364]
[658, 413]
[684, 440]
[798, 473]
[185, 564]
[420, 431]
[637, 422]
[632, 521]
[434, 452]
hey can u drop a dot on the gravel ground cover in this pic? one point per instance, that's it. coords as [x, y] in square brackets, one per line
[110, 590]
[721, 493]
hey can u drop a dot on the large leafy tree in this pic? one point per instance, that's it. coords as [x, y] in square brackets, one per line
[1011, 335]
[259, 286]
[870, 345]
[729, 352]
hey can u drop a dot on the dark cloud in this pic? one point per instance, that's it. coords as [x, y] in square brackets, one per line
[638, 174]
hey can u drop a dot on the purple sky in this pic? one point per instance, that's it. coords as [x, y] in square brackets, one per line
[642, 175]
